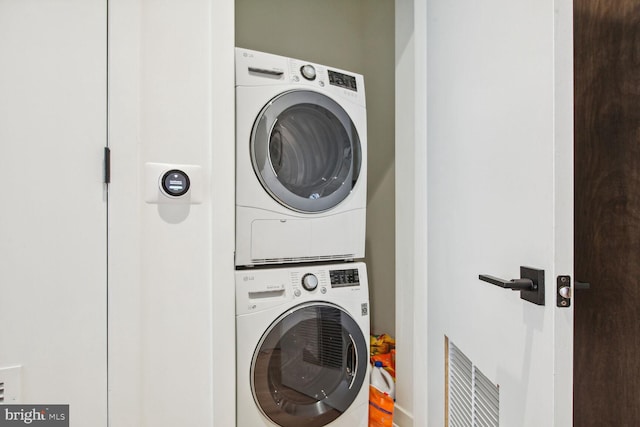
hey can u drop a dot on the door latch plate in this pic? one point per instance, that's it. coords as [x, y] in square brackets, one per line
[561, 283]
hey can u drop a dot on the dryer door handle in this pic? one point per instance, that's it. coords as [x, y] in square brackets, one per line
[352, 361]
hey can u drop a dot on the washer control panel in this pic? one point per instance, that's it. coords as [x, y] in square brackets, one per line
[308, 71]
[343, 80]
[344, 278]
[261, 289]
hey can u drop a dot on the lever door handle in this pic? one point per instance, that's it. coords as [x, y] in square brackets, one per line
[530, 284]
[513, 284]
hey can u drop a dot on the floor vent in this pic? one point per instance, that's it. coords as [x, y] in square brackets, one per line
[472, 399]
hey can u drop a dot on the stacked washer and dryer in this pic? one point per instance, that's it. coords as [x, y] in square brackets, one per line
[302, 300]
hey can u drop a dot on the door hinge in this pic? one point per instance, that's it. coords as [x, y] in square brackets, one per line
[107, 165]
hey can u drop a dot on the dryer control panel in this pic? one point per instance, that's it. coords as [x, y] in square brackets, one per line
[255, 68]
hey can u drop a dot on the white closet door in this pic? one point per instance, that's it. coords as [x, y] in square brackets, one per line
[53, 297]
[500, 196]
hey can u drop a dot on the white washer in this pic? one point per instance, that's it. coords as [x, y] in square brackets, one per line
[302, 346]
[301, 150]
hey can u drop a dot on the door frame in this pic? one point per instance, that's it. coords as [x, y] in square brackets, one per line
[411, 212]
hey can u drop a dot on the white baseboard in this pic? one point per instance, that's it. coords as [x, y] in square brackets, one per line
[402, 418]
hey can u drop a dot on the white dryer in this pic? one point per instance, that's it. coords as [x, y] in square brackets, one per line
[302, 346]
[301, 156]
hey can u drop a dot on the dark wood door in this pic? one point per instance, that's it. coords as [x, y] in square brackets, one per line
[607, 212]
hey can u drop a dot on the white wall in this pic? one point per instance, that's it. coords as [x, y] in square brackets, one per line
[171, 292]
[53, 209]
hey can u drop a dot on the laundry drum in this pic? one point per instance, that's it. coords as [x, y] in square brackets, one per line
[306, 151]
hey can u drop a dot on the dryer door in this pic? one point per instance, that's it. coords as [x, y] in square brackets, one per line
[306, 151]
[309, 366]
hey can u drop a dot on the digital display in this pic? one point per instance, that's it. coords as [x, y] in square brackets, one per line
[343, 80]
[344, 278]
[175, 183]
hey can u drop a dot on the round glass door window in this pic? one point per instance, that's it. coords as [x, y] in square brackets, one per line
[306, 151]
[309, 366]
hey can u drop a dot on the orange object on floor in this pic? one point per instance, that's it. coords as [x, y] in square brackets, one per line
[380, 408]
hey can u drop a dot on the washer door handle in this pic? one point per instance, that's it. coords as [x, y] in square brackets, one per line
[352, 361]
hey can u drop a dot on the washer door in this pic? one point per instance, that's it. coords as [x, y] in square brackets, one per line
[306, 151]
[309, 366]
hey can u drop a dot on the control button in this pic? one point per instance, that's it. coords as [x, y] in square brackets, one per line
[309, 282]
[323, 290]
[297, 292]
[175, 183]
[308, 72]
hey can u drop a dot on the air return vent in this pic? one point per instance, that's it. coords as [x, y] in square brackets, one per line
[10, 384]
[472, 400]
